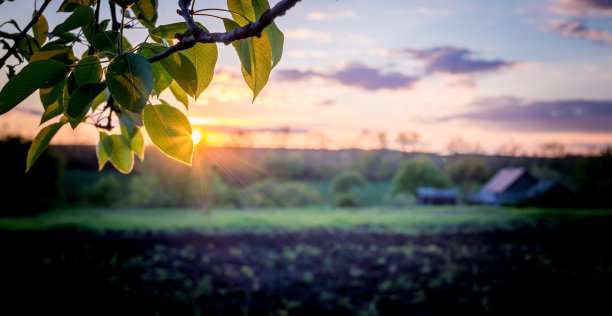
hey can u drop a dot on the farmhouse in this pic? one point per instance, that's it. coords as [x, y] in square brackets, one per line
[508, 185]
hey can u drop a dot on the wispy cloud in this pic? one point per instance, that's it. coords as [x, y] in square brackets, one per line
[576, 29]
[308, 34]
[454, 60]
[355, 75]
[324, 16]
[582, 7]
[586, 116]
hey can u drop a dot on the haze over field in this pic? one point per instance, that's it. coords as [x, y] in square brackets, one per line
[491, 72]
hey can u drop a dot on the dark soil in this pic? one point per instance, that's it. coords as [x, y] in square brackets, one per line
[551, 268]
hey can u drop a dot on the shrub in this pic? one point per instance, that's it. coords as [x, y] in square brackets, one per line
[468, 173]
[107, 191]
[272, 193]
[347, 199]
[414, 173]
[347, 187]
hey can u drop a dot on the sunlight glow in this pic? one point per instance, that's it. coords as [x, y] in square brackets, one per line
[196, 136]
[215, 139]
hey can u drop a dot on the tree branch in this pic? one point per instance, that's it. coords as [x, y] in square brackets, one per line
[198, 35]
[19, 37]
[7, 35]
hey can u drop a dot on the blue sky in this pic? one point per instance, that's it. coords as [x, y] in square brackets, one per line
[490, 72]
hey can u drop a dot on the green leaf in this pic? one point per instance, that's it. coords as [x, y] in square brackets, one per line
[40, 29]
[29, 79]
[179, 94]
[137, 144]
[83, 15]
[88, 70]
[203, 57]
[170, 131]
[183, 71]
[53, 50]
[128, 126]
[146, 12]
[100, 152]
[101, 98]
[169, 31]
[40, 142]
[81, 100]
[52, 98]
[130, 80]
[260, 57]
[162, 78]
[106, 41]
[71, 5]
[27, 47]
[120, 155]
[245, 10]
[275, 36]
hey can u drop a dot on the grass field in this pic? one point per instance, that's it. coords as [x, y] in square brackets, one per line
[401, 219]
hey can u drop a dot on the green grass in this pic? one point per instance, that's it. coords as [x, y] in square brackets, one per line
[406, 219]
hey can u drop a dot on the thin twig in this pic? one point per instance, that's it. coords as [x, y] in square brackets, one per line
[198, 35]
[19, 37]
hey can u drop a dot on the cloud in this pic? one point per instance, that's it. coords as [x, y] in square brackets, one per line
[454, 60]
[324, 16]
[308, 34]
[514, 114]
[576, 29]
[583, 7]
[355, 75]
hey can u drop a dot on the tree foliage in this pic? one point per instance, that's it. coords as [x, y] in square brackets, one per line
[115, 78]
[414, 173]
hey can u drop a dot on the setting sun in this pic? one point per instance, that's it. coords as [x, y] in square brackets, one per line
[196, 136]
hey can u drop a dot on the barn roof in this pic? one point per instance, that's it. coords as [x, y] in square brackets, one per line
[503, 179]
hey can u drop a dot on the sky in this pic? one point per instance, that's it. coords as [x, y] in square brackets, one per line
[495, 74]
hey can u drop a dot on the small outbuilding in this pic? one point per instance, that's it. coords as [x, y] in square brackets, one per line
[508, 186]
[433, 196]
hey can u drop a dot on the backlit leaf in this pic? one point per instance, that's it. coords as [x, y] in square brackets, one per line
[274, 34]
[119, 153]
[170, 131]
[88, 70]
[81, 100]
[100, 152]
[179, 94]
[40, 143]
[130, 80]
[40, 29]
[146, 12]
[53, 50]
[162, 78]
[71, 5]
[138, 144]
[27, 47]
[203, 57]
[52, 98]
[83, 15]
[259, 56]
[33, 76]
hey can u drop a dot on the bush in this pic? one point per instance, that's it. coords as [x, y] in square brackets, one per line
[347, 187]
[414, 173]
[594, 180]
[272, 193]
[347, 199]
[107, 191]
[284, 166]
[469, 173]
